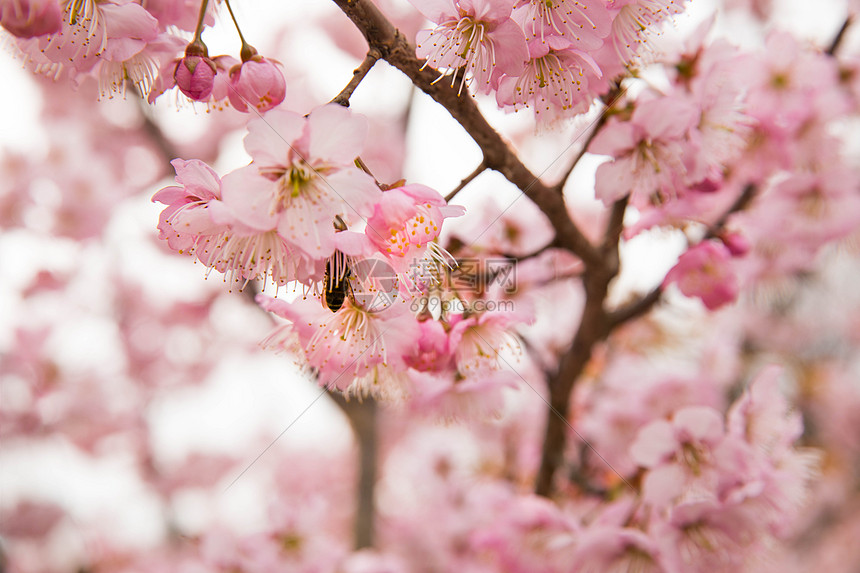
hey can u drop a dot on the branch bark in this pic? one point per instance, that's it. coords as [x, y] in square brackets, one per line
[837, 40]
[397, 51]
[594, 327]
[362, 418]
[358, 74]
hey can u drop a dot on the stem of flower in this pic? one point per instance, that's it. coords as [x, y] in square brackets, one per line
[358, 75]
[247, 52]
[466, 180]
[204, 4]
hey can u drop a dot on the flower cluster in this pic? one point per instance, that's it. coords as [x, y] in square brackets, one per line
[123, 43]
[599, 427]
[552, 57]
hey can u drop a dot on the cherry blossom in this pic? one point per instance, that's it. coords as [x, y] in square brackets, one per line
[257, 82]
[29, 18]
[705, 272]
[649, 151]
[306, 176]
[459, 354]
[558, 78]
[583, 22]
[479, 36]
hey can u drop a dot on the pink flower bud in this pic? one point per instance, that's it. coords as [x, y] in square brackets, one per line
[258, 82]
[29, 18]
[195, 76]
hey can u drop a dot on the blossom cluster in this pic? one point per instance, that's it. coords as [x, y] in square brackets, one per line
[682, 447]
[122, 43]
[303, 213]
[552, 57]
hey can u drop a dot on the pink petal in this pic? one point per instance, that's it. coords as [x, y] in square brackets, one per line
[269, 139]
[654, 443]
[701, 423]
[336, 134]
[249, 197]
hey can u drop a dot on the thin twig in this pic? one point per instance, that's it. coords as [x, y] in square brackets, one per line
[834, 45]
[601, 121]
[468, 179]
[636, 308]
[642, 305]
[397, 51]
[610, 99]
[358, 74]
[741, 203]
[551, 245]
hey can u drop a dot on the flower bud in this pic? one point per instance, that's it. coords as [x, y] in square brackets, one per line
[195, 76]
[259, 83]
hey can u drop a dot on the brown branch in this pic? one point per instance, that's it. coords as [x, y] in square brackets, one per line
[600, 122]
[834, 45]
[151, 128]
[466, 180]
[642, 305]
[636, 308]
[610, 99]
[615, 226]
[397, 51]
[593, 329]
[362, 418]
[358, 74]
[551, 245]
[741, 203]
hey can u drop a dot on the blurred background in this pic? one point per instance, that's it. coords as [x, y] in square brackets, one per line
[136, 406]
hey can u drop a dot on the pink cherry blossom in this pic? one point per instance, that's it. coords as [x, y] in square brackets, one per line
[220, 87]
[480, 341]
[28, 18]
[635, 20]
[259, 83]
[477, 35]
[558, 79]
[649, 150]
[197, 221]
[583, 22]
[348, 348]
[705, 272]
[478, 397]
[403, 227]
[616, 549]
[195, 76]
[187, 215]
[307, 176]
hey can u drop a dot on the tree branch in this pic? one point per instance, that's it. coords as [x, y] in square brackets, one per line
[609, 100]
[834, 45]
[741, 203]
[358, 74]
[362, 418]
[468, 179]
[592, 330]
[601, 121]
[641, 306]
[397, 51]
